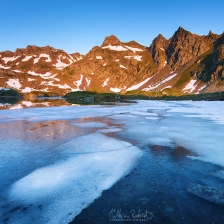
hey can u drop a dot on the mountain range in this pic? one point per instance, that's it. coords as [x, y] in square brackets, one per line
[185, 63]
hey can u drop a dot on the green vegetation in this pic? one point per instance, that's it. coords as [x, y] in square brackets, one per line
[219, 96]
[86, 97]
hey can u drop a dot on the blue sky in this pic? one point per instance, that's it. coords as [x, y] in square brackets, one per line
[78, 25]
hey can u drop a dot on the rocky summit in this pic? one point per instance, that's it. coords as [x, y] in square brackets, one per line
[185, 63]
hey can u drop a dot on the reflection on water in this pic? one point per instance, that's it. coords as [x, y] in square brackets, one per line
[16, 103]
[7, 101]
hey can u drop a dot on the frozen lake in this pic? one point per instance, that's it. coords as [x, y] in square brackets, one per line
[158, 161]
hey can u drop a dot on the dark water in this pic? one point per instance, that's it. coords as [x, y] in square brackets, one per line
[9, 100]
[156, 192]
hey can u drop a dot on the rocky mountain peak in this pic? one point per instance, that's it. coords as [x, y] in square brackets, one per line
[111, 40]
[32, 50]
[159, 41]
[181, 33]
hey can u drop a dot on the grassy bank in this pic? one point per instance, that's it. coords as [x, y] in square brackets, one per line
[87, 97]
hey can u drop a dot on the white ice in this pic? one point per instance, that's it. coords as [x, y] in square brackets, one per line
[93, 163]
[65, 184]
[99, 57]
[90, 124]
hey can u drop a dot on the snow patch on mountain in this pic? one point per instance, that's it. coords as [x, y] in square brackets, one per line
[190, 87]
[138, 85]
[4, 67]
[27, 58]
[27, 90]
[88, 81]
[105, 83]
[14, 83]
[43, 56]
[115, 48]
[79, 82]
[7, 59]
[115, 90]
[200, 89]
[134, 49]
[122, 66]
[151, 87]
[138, 57]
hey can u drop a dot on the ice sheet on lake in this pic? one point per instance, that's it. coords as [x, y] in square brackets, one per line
[65, 188]
[89, 124]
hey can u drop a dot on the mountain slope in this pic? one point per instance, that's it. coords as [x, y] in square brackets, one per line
[185, 63]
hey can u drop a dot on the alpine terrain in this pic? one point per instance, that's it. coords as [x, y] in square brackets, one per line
[185, 63]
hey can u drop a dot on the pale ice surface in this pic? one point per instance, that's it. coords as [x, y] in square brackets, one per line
[71, 184]
[63, 183]
[90, 124]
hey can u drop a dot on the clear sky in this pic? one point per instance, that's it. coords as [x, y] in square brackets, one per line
[78, 25]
